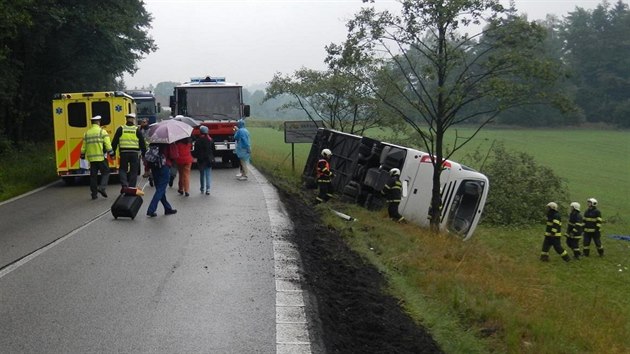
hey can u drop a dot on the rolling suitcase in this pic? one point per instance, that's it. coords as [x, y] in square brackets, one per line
[126, 206]
[128, 202]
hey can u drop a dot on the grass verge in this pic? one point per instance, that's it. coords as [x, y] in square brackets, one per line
[490, 294]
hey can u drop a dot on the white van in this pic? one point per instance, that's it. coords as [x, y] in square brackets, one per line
[361, 168]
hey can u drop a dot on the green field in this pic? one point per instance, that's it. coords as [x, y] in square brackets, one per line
[492, 294]
[594, 163]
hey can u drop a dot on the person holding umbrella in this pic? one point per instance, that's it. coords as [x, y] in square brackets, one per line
[160, 156]
[160, 169]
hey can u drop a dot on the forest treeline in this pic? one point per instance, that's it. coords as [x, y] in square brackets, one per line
[49, 46]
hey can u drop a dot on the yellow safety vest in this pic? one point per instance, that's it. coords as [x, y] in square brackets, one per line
[95, 143]
[129, 138]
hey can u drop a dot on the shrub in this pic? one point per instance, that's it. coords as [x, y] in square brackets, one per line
[520, 188]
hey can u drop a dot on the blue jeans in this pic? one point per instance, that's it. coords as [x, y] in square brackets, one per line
[160, 179]
[205, 178]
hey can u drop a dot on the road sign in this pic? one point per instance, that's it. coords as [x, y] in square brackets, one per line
[301, 131]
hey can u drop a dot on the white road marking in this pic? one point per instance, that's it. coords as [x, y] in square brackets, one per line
[22, 261]
[292, 332]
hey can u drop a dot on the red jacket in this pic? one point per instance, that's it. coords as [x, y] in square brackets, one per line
[185, 156]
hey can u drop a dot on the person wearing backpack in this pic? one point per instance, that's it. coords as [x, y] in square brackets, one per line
[160, 166]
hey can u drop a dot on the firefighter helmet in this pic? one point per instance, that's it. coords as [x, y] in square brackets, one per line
[326, 153]
[593, 201]
[553, 205]
[575, 205]
[394, 172]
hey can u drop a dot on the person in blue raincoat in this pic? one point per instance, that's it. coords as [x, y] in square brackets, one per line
[243, 148]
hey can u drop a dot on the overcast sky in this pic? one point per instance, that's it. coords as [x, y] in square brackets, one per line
[247, 41]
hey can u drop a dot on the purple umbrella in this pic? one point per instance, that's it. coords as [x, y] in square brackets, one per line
[169, 131]
[190, 121]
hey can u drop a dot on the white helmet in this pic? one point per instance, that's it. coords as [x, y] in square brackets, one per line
[593, 201]
[326, 153]
[394, 172]
[553, 205]
[575, 205]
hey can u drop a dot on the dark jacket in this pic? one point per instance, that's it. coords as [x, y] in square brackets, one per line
[554, 226]
[575, 225]
[393, 189]
[204, 151]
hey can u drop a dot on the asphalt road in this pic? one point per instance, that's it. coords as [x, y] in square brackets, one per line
[75, 280]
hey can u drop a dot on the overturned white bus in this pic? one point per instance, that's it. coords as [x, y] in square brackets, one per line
[361, 168]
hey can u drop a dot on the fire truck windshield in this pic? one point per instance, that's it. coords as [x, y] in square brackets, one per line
[212, 102]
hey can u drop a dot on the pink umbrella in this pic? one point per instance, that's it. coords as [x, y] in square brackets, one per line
[168, 131]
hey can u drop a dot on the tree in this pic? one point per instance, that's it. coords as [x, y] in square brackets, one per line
[435, 77]
[598, 52]
[338, 99]
[68, 46]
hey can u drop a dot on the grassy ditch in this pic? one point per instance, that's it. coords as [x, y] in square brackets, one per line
[492, 294]
[26, 168]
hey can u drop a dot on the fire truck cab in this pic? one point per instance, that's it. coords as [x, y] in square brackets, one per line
[218, 105]
[71, 119]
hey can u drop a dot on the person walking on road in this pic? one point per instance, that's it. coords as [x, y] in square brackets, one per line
[130, 141]
[144, 130]
[324, 176]
[574, 229]
[204, 153]
[184, 163]
[393, 192]
[592, 228]
[160, 170]
[243, 148]
[96, 143]
[553, 232]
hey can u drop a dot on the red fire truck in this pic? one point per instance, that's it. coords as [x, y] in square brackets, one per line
[218, 105]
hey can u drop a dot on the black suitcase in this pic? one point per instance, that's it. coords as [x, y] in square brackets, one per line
[126, 206]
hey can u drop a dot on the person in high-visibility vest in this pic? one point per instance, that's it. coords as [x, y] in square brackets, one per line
[575, 227]
[130, 140]
[96, 143]
[324, 175]
[393, 192]
[592, 228]
[553, 232]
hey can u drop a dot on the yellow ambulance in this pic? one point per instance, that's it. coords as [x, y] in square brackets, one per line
[71, 119]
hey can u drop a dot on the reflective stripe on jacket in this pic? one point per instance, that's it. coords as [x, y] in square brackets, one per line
[323, 171]
[554, 226]
[575, 224]
[393, 190]
[129, 138]
[95, 143]
[592, 220]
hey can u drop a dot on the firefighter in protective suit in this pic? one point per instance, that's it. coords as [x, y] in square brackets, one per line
[393, 192]
[592, 227]
[575, 227]
[553, 232]
[324, 176]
